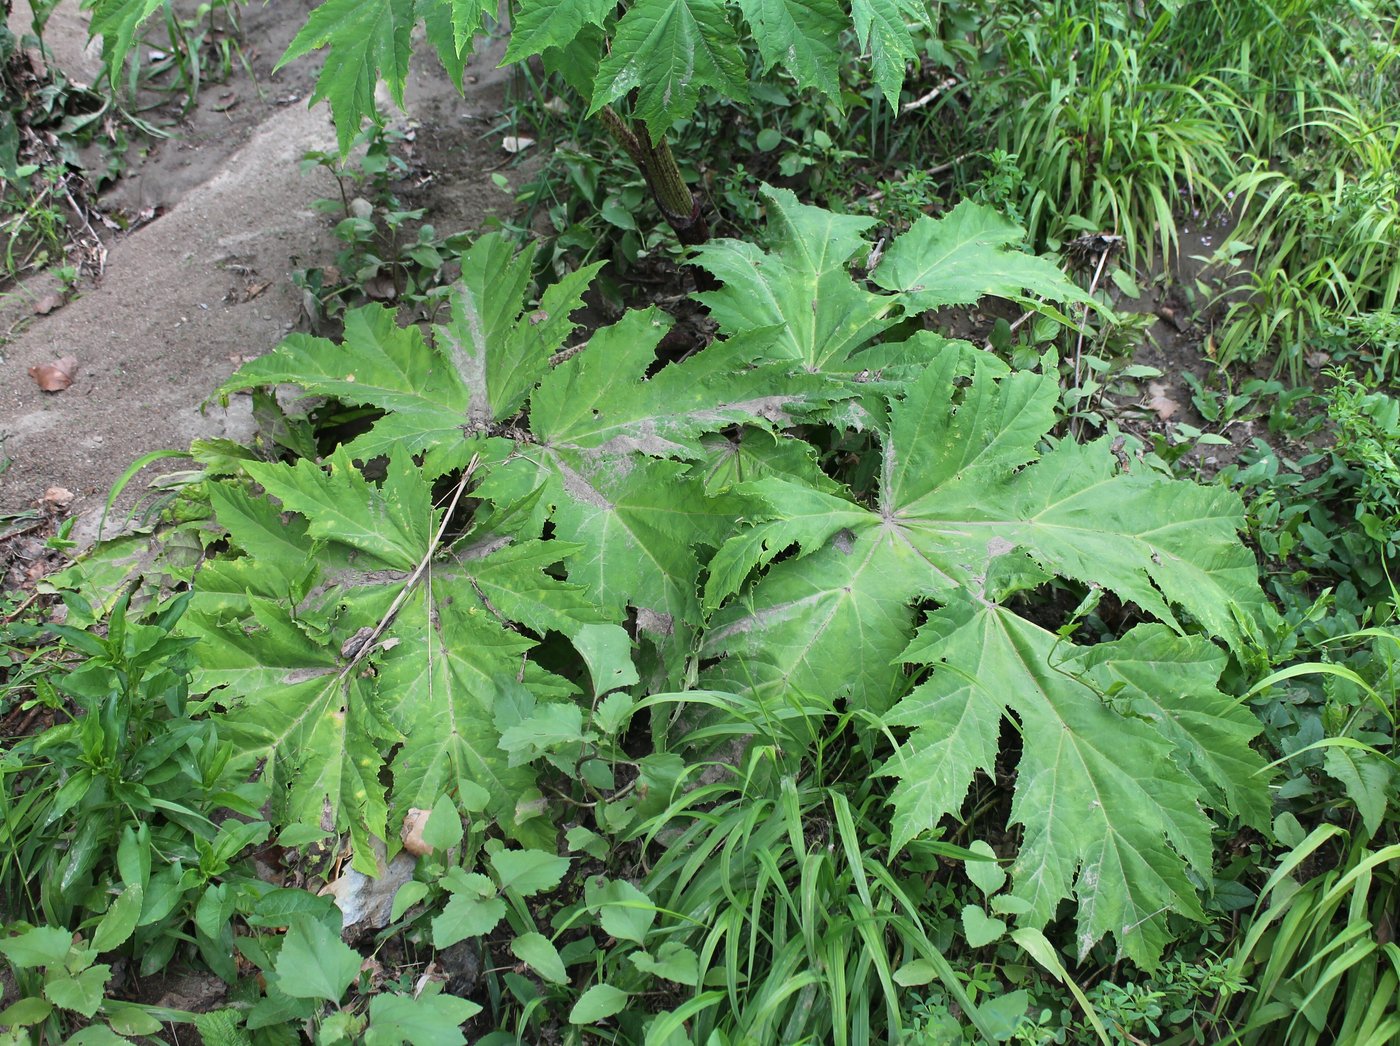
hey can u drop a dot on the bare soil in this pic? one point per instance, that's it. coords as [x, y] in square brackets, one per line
[205, 282]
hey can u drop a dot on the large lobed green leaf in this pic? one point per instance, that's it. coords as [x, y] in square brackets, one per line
[801, 39]
[1121, 746]
[665, 54]
[608, 455]
[448, 665]
[372, 40]
[116, 21]
[966, 254]
[969, 513]
[957, 492]
[606, 464]
[668, 51]
[539, 27]
[369, 39]
[829, 322]
[882, 30]
[475, 372]
[801, 286]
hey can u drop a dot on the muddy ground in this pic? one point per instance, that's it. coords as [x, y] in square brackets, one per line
[225, 215]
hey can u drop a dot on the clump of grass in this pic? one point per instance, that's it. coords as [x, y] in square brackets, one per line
[1324, 237]
[1282, 118]
[1102, 142]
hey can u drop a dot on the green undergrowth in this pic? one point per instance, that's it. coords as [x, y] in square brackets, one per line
[1256, 137]
[46, 120]
[819, 681]
[63, 141]
[390, 253]
[813, 688]
[1259, 136]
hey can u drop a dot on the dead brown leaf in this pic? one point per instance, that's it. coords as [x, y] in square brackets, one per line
[48, 303]
[254, 289]
[1174, 317]
[55, 376]
[377, 974]
[413, 824]
[432, 974]
[380, 287]
[1160, 402]
[58, 497]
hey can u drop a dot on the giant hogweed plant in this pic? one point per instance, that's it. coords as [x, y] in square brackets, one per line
[419, 613]
[639, 66]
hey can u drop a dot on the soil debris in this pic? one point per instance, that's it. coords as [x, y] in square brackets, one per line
[57, 375]
[1160, 402]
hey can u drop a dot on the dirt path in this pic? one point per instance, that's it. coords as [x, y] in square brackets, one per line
[207, 284]
[177, 307]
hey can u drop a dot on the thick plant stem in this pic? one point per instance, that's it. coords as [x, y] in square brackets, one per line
[679, 206]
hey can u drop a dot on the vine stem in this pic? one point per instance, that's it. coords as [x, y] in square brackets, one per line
[1074, 425]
